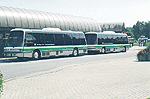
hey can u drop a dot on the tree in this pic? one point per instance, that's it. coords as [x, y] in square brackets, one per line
[137, 30]
[141, 28]
[129, 30]
[146, 29]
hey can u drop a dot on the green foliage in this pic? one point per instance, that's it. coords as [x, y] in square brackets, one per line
[141, 28]
[129, 30]
[1, 82]
[148, 45]
[144, 53]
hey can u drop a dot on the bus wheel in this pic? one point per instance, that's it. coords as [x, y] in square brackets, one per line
[36, 54]
[103, 50]
[75, 52]
[124, 50]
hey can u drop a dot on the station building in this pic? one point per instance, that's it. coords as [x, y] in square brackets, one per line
[22, 18]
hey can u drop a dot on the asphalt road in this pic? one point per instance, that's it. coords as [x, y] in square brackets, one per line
[13, 68]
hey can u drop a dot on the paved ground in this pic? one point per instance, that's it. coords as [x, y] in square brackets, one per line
[111, 79]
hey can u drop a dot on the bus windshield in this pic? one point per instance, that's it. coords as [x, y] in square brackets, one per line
[15, 39]
[91, 38]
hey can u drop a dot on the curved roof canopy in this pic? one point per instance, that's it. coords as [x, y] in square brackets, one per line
[16, 17]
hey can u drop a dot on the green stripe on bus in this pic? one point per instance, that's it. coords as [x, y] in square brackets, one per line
[54, 49]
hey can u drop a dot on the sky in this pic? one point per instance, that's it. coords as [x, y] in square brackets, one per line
[103, 11]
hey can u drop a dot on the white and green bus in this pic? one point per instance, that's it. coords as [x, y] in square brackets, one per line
[107, 41]
[36, 44]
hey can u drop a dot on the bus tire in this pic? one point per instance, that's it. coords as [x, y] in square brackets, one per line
[103, 50]
[124, 49]
[75, 52]
[36, 55]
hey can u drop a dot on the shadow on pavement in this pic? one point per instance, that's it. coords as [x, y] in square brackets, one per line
[14, 60]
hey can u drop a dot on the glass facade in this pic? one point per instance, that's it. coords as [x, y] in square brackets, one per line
[22, 18]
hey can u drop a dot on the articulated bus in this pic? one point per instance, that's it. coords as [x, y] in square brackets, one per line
[107, 41]
[47, 42]
[36, 44]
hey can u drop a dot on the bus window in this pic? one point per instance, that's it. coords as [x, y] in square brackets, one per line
[49, 39]
[39, 38]
[82, 39]
[59, 39]
[121, 40]
[68, 39]
[91, 38]
[125, 40]
[75, 38]
[99, 39]
[15, 39]
[104, 40]
[117, 40]
[107, 40]
[29, 40]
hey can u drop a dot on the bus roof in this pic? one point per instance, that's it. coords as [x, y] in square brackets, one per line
[91, 33]
[108, 32]
[45, 30]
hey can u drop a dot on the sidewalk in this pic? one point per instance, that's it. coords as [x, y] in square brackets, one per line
[110, 79]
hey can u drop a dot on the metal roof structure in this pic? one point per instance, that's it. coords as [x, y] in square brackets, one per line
[23, 18]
